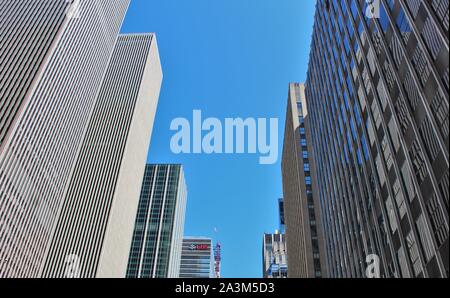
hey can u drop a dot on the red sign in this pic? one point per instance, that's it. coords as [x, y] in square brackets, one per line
[202, 247]
[199, 247]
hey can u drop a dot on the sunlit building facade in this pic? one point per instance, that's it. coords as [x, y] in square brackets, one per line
[301, 207]
[275, 259]
[93, 232]
[197, 258]
[54, 57]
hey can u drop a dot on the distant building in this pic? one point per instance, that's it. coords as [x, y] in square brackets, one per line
[281, 215]
[301, 204]
[158, 232]
[217, 260]
[275, 256]
[197, 259]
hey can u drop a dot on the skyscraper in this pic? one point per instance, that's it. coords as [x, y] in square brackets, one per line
[377, 93]
[197, 258]
[301, 207]
[275, 259]
[159, 224]
[93, 232]
[56, 54]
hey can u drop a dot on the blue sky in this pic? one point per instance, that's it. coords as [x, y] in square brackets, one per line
[229, 59]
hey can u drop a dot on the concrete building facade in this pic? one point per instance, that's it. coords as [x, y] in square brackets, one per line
[275, 258]
[377, 92]
[93, 232]
[197, 258]
[56, 55]
[304, 234]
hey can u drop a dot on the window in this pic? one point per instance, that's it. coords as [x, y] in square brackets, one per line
[414, 253]
[402, 112]
[384, 20]
[306, 167]
[376, 114]
[380, 170]
[382, 94]
[301, 120]
[387, 153]
[421, 66]
[440, 7]
[411, 91]
[393, 132]
[431, 37]
[418, 161]
[444, 186]
[390, 80]
[391, 215]
[365, 148]
[362, 99]
[413, 7]
[400, 200]
[305, 154]
[403, 26]
[308, 180]
[439, 227]
[403, 264]
[440, 110]
[429, 139]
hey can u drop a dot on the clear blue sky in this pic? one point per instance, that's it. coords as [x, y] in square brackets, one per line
[228, 58]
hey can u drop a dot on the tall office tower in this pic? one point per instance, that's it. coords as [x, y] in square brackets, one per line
[95, 225]
[275, 260]
[281, 215]
[158, 231]
[54, 56]
[377, 92]
[301, 207]
[197, 258]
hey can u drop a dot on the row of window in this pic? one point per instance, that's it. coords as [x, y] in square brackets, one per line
[353, 140]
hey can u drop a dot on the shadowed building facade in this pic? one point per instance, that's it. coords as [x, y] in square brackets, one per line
[377, 93]
[281, 216]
